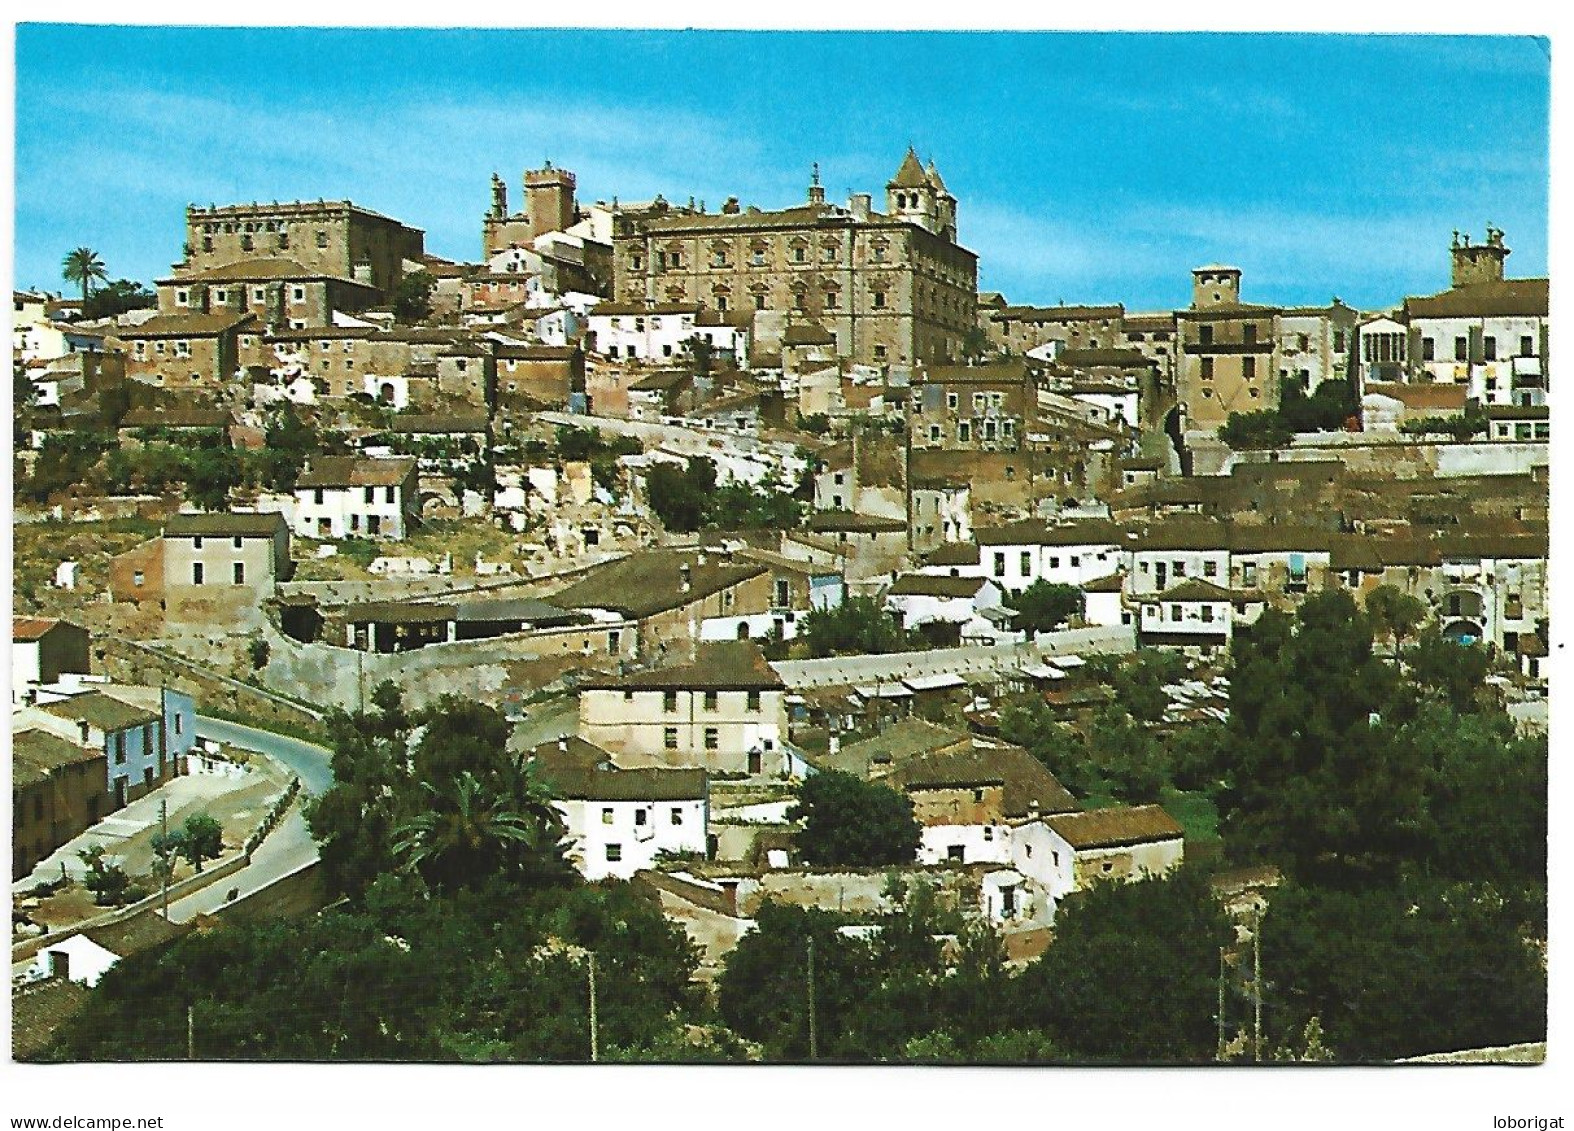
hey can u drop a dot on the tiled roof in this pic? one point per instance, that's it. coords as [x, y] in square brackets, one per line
[651, 581]
[177, 418]
[852, 522]
[352, 471]
[1027, 783]
[1036, 532]
[259, 270]
[1059, 313]
[187, 325]
[99, 710]
[1425, 395]
[932, 585]
[225, 524]
[1114, 583]
[731, 665]
[24, 629]
[954, 554]
[644, 784]
[661, 380]
[1112, 828]
[1122, 358]
[35, 753]
[1195, 589]
[39, 1009]
[1508, 297]
[807, 334]
[625, 308]
[903, 740]
[413, 422]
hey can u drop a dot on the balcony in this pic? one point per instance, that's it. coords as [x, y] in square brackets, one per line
[1228, 347]
[1527, 367]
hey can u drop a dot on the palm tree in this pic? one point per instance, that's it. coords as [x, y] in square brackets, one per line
[83, 266]
[472, 831]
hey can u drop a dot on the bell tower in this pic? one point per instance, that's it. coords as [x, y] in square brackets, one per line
[911, 195]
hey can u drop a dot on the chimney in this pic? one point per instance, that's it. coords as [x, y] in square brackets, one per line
[562, 744]
[1032, 809]
[860, 204]
[59, 965]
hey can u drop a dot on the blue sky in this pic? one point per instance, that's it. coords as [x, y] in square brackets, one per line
[1089, 167]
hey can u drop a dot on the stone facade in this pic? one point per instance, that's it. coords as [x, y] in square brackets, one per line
[893, 287]
[330, 238]
[1229, 352]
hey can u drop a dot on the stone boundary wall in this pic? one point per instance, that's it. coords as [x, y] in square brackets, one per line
[130, 661]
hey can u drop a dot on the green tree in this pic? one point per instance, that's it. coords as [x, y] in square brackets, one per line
[1044, 607]
[701, 354]
[355, 982]
[1264, 429]
[105, 878]
[83, 266]
[1400, 971]
[201, 838]
[117, 298]
[1030, 724]
[1395, 613]
[1450, 669]
[763, 992]
[412, 301]
[1119, 949]
[857, 626]
[436, 792]
[1139, 682]
[1131, 759]
[211, 473]
[680, 496]
[469, 832]
[849, 822]
[288, 441]
[1310, 780]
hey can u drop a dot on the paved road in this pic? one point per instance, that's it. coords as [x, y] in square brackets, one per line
[312, 763]
[288, 848]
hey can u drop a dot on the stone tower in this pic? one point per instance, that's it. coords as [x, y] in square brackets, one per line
[911, 194]
[549, 199]
[1215, 285]
[1479, 263]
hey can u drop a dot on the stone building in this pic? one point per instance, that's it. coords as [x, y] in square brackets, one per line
[725, 711]
[549, 207]
[329, 239]
[186, 351]
[1229, 351]
[981, 408]
[57, 791]
[280, 293]
[892, 287]
[1021, 330]
[1486, 332]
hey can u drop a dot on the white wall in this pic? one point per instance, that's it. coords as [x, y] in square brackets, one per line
[640, 829]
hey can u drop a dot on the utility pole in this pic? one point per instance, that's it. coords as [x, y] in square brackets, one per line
[1219, 1056]
[1257, 986]
[814, 1042]
[166, 864]
[595, 1049]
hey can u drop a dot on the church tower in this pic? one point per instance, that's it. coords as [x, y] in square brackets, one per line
[911, 194]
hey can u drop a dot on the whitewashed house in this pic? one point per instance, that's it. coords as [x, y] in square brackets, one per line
[657, 332]
[919, 599]
[620, 821]
[1065, 852]
[350, 497]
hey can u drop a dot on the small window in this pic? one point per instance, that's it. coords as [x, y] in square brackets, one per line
[196, 573]
[669, 737]
[669, 701]
[712, 738]
[1527, 347]
[137, 578]
[879, 300]
[754, 700]
[614, 853]
[240, 573]
[711, 700]
[1428, 349]
[641, 817]
[1461, 349]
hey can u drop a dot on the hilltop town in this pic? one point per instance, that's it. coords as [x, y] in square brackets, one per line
[932, 675]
